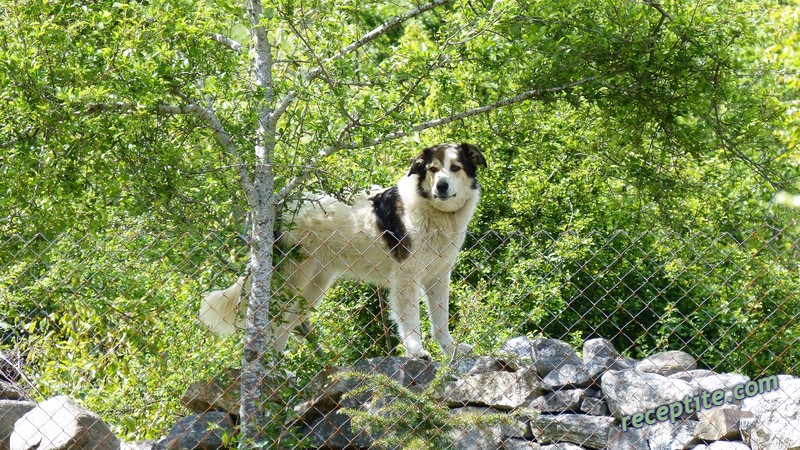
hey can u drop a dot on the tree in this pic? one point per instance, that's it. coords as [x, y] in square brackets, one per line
[116, 102]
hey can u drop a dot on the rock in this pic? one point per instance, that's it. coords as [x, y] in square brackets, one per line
[545, 355]
[418, 373]
[491, 385]
[594, 406]
[594, 393]
[560, 401]
[746, 426]
[138, 445]
[720, 423]
[630, 391]
[667, 363]
[221, 393]
[586, 431]
[626, 363]
[413, 373]
[475, 438]
[10, 366]
[551, 354]
[520, 444]
[689, 375]
[312, 409]
[776, 421]
[599, 355]
[60, 424]
[522, 349]
[333, 430]
[723, 445]
[567, 376]
[409, 372]
[12, 391]
[474, 365]
[598, 366]
[464, 365]
[672, 436]
[199, 432]
[706, 380]
[598, 349]
[631, 439]
[336, 387]
[501, 390]
[10, 412]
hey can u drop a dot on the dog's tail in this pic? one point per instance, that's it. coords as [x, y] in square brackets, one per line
[223, 311]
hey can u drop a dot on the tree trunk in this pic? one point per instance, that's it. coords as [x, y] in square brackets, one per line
[257, 357]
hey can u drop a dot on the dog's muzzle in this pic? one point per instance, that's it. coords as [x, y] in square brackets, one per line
[442, 189]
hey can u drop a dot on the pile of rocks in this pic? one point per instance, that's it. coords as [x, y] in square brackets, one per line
[551, 399]
[560, 401]
[58, 423]
[61, 424]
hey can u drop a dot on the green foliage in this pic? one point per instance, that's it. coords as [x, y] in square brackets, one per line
[634, 206]
[364, 328]
[723, 297]
[98, 318]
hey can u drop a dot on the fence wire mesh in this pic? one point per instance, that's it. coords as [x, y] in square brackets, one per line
[109, 322]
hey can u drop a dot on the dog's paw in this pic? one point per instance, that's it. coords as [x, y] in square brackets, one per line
[462, 350]
[418, 353]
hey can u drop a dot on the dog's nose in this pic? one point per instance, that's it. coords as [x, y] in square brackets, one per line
[442, 186]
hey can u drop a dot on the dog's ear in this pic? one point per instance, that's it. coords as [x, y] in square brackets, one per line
[474, 154]
[418, 167]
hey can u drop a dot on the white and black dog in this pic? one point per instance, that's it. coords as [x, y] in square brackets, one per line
[405, 238]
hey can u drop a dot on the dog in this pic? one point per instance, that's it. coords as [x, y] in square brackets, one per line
[405, 238]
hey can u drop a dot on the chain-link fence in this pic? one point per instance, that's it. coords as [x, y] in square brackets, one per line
[596, 340]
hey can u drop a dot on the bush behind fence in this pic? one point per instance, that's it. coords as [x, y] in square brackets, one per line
[111, 319]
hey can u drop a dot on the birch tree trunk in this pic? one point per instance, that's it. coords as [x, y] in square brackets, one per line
[256, 357]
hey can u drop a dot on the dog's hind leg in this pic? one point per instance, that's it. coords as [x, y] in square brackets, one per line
[309, 281]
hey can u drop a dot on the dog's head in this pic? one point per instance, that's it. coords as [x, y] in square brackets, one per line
[447, 174]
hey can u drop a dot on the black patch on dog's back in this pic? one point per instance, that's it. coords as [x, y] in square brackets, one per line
[388, 209]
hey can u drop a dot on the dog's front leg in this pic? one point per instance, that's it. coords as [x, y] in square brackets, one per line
[404, 296]
[437, 292]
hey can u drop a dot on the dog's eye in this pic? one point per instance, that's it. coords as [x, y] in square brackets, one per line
[433, 169]
[455, 169]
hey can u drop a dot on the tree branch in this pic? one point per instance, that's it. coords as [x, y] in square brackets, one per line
[281, 108]
[381, 29]
[657, 6]
[320, 66]
[228, 42]
[775, 180]
[24, 134]
[207, 115]
[534, 93]
[330, 150]
[375, 33]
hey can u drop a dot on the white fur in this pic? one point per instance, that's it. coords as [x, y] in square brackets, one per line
[340, 240]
